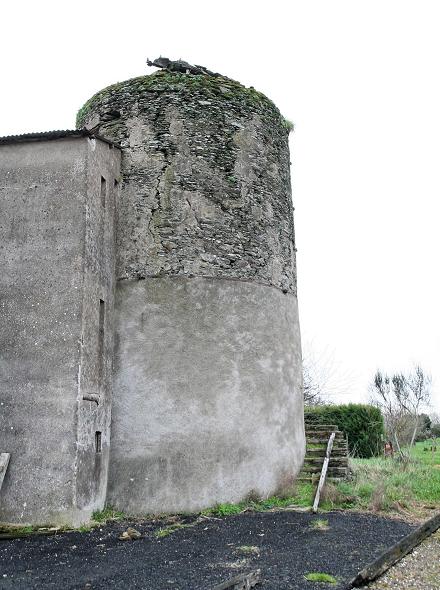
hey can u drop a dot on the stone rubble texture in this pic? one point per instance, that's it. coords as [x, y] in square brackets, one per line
[206, 179]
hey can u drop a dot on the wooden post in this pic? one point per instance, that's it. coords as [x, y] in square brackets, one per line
[4, 462]
[395, 553]
[324, 471]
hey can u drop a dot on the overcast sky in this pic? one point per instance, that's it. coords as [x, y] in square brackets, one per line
[360, 80]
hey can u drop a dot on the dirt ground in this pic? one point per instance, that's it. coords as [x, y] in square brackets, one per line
[283, 544]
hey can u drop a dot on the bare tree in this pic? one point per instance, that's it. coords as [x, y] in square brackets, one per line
[418, 395]
[312, 388]
[383, 396]
[401, 399]
[323, 376]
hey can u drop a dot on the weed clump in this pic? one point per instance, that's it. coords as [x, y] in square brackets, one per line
[320, 524]
[108, 514]
[168, 530]
[320, 577]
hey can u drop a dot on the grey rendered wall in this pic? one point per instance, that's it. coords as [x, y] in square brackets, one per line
[46, 202]
[205, 411]
[207, 403]
[95, 359]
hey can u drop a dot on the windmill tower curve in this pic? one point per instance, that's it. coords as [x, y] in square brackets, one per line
[207, 400]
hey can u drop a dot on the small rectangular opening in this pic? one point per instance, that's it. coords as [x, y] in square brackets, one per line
[98, 442]
[103, 190]
[101, 340]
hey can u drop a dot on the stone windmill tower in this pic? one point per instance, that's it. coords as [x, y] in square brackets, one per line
[207, 399]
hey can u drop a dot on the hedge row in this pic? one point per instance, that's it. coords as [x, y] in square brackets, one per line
[362, 424]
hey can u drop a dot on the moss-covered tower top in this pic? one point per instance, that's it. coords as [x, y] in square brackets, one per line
[205, 178]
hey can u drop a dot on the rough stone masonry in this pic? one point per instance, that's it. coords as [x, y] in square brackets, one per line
[206, 391]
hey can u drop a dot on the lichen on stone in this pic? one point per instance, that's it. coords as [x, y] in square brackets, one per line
[164, 81]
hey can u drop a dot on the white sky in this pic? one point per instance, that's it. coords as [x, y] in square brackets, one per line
[360, 80]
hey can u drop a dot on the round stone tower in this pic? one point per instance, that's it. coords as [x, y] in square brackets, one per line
[207, 386]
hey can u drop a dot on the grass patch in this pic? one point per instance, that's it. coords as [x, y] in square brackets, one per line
[301, 495]
[109, 514]
[169, 530]
[320, 577]
[320, 524]
[226, 509]
[389, 484]
[100, 517]
[18, 530]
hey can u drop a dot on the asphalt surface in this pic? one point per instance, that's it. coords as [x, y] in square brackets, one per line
[283, 545]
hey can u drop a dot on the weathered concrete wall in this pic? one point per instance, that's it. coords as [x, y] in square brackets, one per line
[96, 342]
[208, 401]
[207, 405]
[49, 215]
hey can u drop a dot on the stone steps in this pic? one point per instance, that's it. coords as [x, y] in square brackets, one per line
[336, 452]
[324, 440]
[331, 427]
[331, 471]
[317, 436]
[334, 461]
[325, 434]
[314, 478]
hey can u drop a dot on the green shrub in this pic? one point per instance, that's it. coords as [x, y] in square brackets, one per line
[362, 424]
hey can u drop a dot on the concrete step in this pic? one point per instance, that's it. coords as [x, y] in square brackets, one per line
[336, 471]
[324, 434]
[315, 478]
[320, 452]
[315, 440]
[334, 461]
[331, 427]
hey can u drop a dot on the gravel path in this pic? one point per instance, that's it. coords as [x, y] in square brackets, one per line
[284, 545]
[420, 570]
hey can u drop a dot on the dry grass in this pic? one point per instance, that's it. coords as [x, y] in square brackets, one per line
[388, 485]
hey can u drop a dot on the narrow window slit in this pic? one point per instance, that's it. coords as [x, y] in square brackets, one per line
[101, 340]
[103, 190]
[98, 441]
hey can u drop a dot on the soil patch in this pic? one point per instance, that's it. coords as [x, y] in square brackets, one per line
[284, 545]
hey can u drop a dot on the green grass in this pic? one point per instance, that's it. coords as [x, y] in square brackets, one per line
[320, 577]
[86, 528]
[301, 495]
[168, 530]
[387, 484]
[108, 514]
[427, 457]
[18, 530]
[320, 524]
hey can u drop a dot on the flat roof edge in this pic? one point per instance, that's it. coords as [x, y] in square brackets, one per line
[48, 135]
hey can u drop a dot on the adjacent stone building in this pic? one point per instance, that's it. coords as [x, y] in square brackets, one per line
[150, 348]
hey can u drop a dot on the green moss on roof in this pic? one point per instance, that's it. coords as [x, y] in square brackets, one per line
[165, 81]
